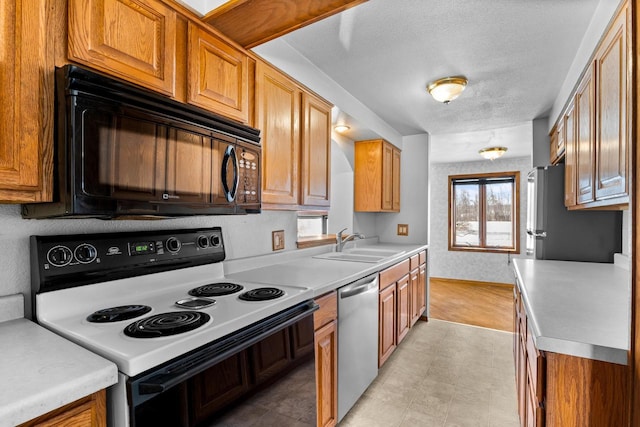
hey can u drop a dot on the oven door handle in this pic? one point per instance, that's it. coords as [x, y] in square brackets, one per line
[219, 350]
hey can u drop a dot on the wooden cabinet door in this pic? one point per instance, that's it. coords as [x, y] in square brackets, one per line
[316, 151]
[404, 308]
[326, 351]
[387, 323]
[368, 176]
[570, 174]
[521, 372]
[387, 177]
[131, 39]
[395, 181]
[414, 296]
[277, 114]
[557, 143]
[189, 166]
[87, 411]
[585, 142]
[217, 75]
[26, 115]
[422, 290]
[613, 100]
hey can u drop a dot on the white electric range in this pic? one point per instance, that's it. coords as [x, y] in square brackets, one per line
[156, 304]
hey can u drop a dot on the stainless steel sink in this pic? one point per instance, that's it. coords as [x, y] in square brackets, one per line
[375, 252]
[345, 256]
[371, 255]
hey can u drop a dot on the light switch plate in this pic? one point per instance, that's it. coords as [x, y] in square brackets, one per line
[403, 229]
[277, 240]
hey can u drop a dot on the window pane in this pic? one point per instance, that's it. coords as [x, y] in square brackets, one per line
[467, 215]
[311, 226]
[499, 214]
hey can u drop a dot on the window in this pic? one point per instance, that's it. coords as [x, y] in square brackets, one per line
[484, 212]
[312, 224]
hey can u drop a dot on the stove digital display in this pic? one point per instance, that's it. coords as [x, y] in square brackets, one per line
[142, 248]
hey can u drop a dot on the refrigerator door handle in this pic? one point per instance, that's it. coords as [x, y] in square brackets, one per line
[534, 234]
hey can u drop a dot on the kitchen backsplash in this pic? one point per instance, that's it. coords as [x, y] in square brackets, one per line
[244, 236]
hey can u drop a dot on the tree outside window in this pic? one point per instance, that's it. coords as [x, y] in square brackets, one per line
[484, 212]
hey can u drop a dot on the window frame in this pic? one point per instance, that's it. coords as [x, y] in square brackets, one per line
[482, 214]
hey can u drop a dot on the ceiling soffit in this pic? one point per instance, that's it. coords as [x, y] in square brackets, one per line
[253, 22]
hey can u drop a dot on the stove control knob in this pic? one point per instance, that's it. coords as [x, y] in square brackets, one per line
[215, 240]
[85, 253]
[203, 242]
[173, 245]
[59, 256]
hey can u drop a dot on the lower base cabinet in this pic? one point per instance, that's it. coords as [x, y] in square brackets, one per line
[561, 390]
[402, 300]
[88, 411]
[326, 348]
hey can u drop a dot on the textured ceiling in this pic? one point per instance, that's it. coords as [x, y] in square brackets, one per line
[515, 53]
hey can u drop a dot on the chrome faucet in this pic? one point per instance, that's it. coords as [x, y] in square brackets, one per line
[340, 241]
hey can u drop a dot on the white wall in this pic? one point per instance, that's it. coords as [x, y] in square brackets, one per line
[481, 266]
[244, 236]
[414, 195]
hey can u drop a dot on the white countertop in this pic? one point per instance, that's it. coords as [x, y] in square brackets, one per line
[577, 308]
[322, 275]
[40, 371]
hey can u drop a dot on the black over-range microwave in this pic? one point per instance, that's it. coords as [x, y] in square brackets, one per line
[122, 151]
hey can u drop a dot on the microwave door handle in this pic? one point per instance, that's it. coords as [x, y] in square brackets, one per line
[230, 153]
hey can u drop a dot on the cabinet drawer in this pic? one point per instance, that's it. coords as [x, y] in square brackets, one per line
[415, 261]
[423, 257]
[393, 274]
[328, 310]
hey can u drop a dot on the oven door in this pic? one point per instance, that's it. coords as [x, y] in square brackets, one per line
[265, 371]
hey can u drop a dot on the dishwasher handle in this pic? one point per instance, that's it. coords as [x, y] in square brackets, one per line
[359, 287]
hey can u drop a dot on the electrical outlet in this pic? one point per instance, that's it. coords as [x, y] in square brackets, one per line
[403, 229]
[277, 240]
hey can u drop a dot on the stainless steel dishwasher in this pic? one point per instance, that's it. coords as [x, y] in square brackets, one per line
[357, 340]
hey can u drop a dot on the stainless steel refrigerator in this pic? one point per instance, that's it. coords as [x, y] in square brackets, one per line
[555, 233]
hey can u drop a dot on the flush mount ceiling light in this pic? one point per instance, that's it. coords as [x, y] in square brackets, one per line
[447, 89]
[341, 128]
[492, 153]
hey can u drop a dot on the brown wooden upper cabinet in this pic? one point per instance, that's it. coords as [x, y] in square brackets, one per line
[557, 148]
[613, 99]
[217, 75]
[26, 116]
[131, 39]
[377, 176]
[570, 175]
[296, 142]
[585, 138]
[597, 125]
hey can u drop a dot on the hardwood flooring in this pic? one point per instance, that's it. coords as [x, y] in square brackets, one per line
[489, 305]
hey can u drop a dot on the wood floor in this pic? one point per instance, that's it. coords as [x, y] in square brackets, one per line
[489, 305]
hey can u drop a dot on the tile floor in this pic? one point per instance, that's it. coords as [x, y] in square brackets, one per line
[443, 374]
